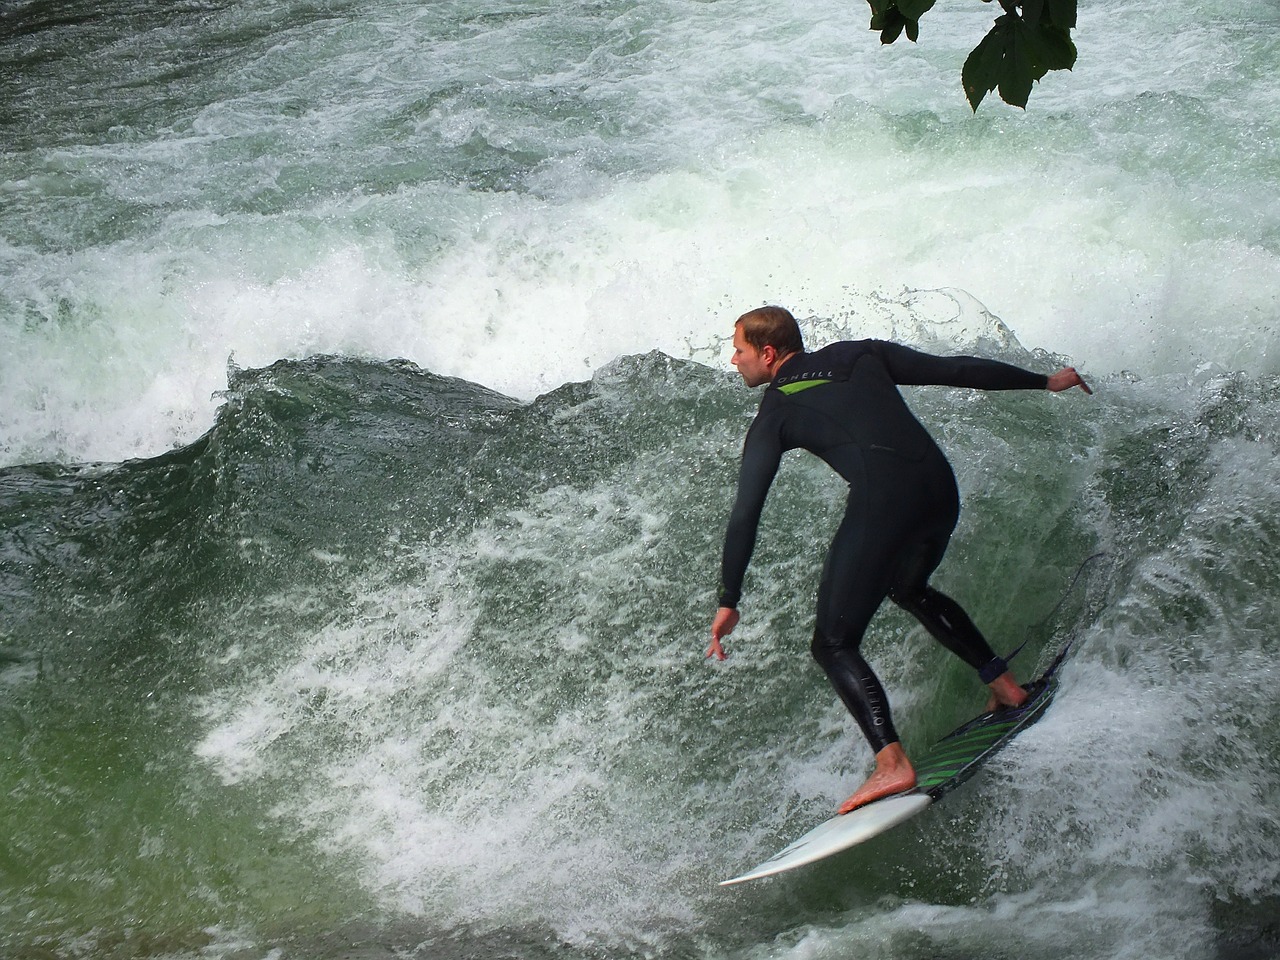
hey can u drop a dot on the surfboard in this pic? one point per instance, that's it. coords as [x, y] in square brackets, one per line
[952, 760]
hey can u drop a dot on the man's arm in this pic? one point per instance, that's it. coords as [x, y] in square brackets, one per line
[912, 368]
[761, 455]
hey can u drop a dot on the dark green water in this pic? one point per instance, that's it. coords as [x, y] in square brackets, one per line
[389, 659]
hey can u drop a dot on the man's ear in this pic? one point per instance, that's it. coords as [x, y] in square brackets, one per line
[768, 353]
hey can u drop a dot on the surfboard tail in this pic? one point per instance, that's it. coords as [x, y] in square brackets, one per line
[839, 833]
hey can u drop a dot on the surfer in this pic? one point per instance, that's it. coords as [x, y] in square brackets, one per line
[842, 404]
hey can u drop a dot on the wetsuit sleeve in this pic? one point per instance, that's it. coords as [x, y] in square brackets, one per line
[761, 454]
[912, 368]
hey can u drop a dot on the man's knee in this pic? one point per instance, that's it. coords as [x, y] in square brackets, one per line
[911, 598]
[823, 646]
[829, 646]
[834, 650]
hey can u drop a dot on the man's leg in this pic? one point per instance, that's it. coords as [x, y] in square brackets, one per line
[947, 622]
[848, 597]
[865, 698]
[858, 687]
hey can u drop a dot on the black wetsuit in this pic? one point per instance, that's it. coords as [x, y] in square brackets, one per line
[842, 404]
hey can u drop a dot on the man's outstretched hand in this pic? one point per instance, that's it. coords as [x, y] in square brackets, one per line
[1065, 379]
[725, 620]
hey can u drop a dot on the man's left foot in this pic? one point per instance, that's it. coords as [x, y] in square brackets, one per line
[1005, 692]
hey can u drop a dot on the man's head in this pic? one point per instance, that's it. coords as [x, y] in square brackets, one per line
[762, 339]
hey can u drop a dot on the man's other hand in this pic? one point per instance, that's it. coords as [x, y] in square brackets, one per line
[725, 620]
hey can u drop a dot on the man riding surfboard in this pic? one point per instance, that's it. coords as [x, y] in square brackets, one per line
[842, 404]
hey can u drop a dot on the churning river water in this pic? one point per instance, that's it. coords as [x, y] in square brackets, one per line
[367, 435]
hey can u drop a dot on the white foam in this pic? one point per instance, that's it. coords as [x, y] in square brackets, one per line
[784, 158]
[435, 734]
[1130, 919]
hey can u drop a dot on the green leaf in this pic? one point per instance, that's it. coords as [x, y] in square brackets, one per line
[915, 9]
[1026, 62]
[885, 17]
[1039, 49]
[1015, 88]
[1057, 49]
[890, 23]
[1063, 13]
[913, 30]
[983, 67]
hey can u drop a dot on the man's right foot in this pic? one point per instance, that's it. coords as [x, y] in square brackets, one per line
[893, 774]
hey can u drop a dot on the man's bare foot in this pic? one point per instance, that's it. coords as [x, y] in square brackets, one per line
[1005, 692]
[893, 774]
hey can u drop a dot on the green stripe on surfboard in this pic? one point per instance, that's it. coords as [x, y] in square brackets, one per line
[958, 754]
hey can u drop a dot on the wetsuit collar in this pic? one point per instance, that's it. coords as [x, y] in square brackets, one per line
[786, 363]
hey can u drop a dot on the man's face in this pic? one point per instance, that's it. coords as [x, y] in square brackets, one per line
[750, 361]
